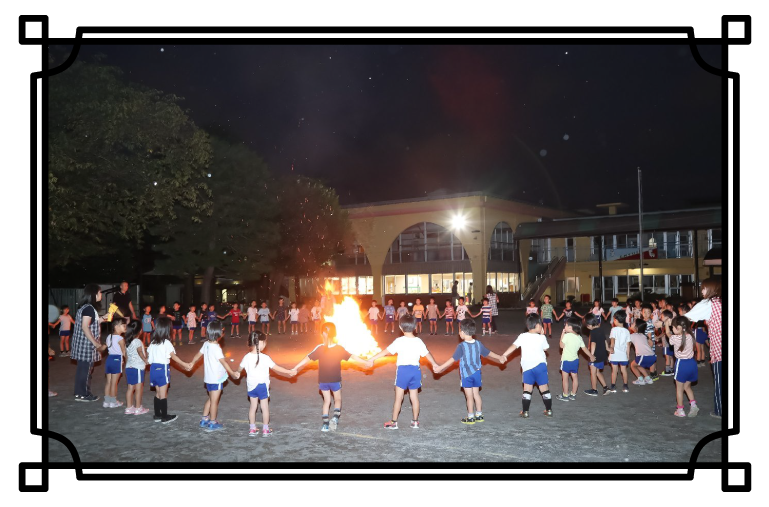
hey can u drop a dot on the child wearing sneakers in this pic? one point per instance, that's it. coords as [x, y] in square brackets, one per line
[572, 343]
[686, 365]
[159, 355]
[597, 347]
[469, 354]
[264, 318]
[546, 312]
[432, 316]
[113, 364]
[418, 312]
[253, 315]
[486, 320]
[408, 376]
[619, 350]
[646, 316]
[257, 366]
[215, 371]
[67, 322]
[533, 345]
[330, 355]
[191, 324]
[449, 314]
[644, 355]
[293, 314]
[461, 310]
[136, 363]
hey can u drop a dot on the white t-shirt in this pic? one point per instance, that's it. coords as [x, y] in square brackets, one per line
[461, 310]
[114, 345]
[315, 311]
[191, 318]
[213, 370]
[533, 347]
[257, 374]
[373, 313]
[133, 359]
[409, 350]
[252, 313]
[294, 313]
[621, 338]
[264, 313]
[160, 354]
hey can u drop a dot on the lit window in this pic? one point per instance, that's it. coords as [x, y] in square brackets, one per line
[395, 284]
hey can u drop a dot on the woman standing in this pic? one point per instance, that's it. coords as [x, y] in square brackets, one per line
[86, 345]
[492, 297]
[709, 309]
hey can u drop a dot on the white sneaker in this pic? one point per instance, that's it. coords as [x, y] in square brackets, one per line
[639, 382]
[694, 410]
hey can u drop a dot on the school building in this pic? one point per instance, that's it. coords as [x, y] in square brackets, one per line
[418, 247]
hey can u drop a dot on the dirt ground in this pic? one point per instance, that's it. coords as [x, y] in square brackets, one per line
[635, 426]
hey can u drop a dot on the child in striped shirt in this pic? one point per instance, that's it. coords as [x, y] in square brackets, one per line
[469, 354]
[449, 314]
[486, 312]
[686, 366]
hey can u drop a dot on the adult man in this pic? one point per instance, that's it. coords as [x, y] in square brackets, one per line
[123, 301]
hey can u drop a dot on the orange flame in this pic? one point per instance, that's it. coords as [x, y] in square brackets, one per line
[351, 331]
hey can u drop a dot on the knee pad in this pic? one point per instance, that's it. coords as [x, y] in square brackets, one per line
[526, 395]
[546, 395]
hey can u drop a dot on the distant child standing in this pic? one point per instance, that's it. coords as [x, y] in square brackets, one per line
[389, 316]
[667, 316]
[614, 308]
[280, 316]
[330, 355]
[568, 312]
[65, 331]
[136, 363]
[304, 318]
[533, 345]
[177, 318]
[546, 312]
[148, 326]
[316, 312]
[461, 311]
[485, 311]
[469, 354]
[597, 347]
[448, 313]
[235, 322]
[159, 355]
[532, 308]
[597, 310]
[401, 310]
[191, 324]
[644, 355]
[215, 371]
[686, 365]
[257, 366]
[293, 314]
[203, 321]
[373, 317]
[264, 318]
[113, 365]
[572, 343]
[418, 313]
[432, 316]
[408, 376]
[253, 313]
[619, 350]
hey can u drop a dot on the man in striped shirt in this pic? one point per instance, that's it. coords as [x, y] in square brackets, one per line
[469, 354]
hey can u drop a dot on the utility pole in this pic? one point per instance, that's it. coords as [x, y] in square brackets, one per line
[640, 234]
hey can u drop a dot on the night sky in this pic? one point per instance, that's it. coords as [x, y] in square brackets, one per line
[563, 126]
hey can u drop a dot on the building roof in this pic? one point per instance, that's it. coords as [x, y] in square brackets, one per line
[436, 196]
[679, 220]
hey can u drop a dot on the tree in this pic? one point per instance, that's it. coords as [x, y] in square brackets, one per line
[241, 236]
[121, 158]
[313, 229]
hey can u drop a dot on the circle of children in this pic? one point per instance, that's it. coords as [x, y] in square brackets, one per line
[642, 326]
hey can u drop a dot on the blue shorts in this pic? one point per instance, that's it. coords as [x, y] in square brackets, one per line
[113, 364]
[389, 318]
[251, 322]
[449, 319]
[408, 376]
[263, 321]
[598, 365]
[536, 375]
[645, 361]
[570, 366]
[177, 326]
[669, 351]
[433, 320]
[215, 387]
[701, 336]
[486, 320]
[65, 333]
[686, 370]
[419, 319]
[134, 376]
[330, 386]
[160, 374]
[473, 380]
[146, 330]
[547, 321]
[619, 363]
[261, 391]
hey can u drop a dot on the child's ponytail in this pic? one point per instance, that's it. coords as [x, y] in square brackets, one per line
[253, 341]
[685, 324]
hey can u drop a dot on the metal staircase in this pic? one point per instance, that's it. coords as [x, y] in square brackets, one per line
[539, 285]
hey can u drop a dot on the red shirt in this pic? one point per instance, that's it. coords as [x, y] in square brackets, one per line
[235, 312]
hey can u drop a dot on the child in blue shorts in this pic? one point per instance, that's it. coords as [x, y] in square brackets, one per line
[159, 355]
[597, 347]
[330, 356]
[469, 354]
[533, 345]
[572, 343]
[215, 371]
[619, 351]
[670, 360]
[701, 337]
[644, 355]
[408, 375]
[113, 364]
[389, 314]
[136, 363]
[686, 365]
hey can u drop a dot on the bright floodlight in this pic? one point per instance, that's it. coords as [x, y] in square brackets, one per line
[458, 222]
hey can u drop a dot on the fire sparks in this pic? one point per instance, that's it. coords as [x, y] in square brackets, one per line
[351, 331]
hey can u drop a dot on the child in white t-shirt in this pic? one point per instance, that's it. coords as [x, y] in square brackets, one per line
[215, 371]
[533, 345]
[619, 351]
[373, 318]
[191, 321]
[264, 318]
[136, 363]
[257, 366]
[253, 313]
[113, 364]
[316, 311]
[408, 376]
[159, 355]
[461, 310]
[293, 314]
